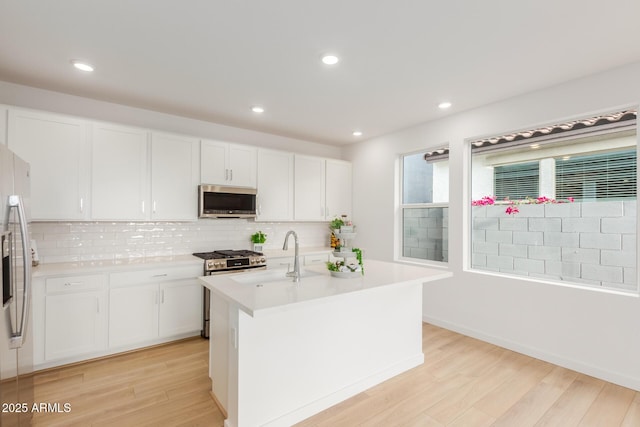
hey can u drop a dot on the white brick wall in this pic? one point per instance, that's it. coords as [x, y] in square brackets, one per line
[590, 243]
[425, 233]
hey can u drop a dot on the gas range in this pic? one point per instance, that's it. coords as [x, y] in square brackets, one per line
[227, 261]
[223, 262]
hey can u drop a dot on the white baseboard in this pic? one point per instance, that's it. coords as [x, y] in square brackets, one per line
[575, 365]
[328, 401]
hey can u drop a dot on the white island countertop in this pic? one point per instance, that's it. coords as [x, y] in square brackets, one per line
[261, 292]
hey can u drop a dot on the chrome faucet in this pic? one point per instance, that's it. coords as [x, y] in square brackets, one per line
[296, 261]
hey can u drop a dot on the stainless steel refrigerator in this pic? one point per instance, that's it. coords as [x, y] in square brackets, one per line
[16, 343]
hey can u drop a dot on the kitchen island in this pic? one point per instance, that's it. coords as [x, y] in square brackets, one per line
[282, 351]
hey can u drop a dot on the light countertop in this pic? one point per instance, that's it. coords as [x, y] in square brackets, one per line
[265, 291]
[108, 266]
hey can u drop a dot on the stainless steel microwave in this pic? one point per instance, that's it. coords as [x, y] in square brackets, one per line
[216, 201]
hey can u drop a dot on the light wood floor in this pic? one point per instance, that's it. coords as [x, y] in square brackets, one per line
[161, 386]
[463, 382]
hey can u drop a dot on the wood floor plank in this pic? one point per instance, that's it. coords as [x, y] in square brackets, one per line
[632, 417]
[508, 393]
[463, 398]
[473, 417]
[571, 406]
[534, 404]
[609, 408]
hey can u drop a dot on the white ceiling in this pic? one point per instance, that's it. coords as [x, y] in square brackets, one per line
[214, 59]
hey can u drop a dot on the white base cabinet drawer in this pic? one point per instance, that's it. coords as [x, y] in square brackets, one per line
[156, 275]
[76, 283]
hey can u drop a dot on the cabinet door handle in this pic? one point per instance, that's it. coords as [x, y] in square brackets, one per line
[143, 206]
[160, 275]
[226, 174]
[230, 174]
[162, 296]
[81, 205]
[97, 306]
[154, 206]
[73, 283]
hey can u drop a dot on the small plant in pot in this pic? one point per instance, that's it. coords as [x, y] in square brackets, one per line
[336, 223]
[258, 239]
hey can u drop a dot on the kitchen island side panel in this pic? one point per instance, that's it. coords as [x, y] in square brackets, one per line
[299, 361]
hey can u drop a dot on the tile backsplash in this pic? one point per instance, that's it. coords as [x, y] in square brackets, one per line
[85, 241]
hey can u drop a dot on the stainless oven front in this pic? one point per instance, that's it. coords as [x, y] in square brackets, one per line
[206, 300]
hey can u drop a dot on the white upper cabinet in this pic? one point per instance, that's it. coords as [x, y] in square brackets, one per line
[56, 147]
[119, 184]
[338, 188]
[174, 177]
[222, 163]
[309, 188]
[322, 188]
[85, 170]
[275, 186]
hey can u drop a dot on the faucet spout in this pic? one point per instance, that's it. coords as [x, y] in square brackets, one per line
[296, 258]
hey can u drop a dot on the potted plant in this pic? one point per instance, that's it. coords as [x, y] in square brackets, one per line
[336, 223]
[258, 239]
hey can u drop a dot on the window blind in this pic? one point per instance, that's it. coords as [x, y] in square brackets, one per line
[517, 181]
[597, 176]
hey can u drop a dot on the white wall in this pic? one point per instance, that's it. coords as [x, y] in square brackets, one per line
[39, 99]
[592, 331]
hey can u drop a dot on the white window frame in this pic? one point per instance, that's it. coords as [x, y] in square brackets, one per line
[468, 231]
[399, 213]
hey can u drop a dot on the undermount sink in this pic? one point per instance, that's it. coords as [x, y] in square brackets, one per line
[266, 276]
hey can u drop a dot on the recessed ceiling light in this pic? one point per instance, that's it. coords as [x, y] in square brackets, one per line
[357, 133]
[330, 59]
[83, 66]
[257, 109]
[444, 105]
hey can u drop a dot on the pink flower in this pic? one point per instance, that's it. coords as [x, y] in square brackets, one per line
[512, 210]
[544, 199]
[486, 200]
[570, 199]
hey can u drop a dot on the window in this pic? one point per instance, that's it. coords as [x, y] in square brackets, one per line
[424, 205]
[517, 181]
[597, 176]
[570, 208]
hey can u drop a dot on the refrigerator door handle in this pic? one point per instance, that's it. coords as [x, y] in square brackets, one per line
[18, 337]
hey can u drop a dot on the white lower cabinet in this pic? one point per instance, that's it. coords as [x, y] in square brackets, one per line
[150, 305]
[86, 316]
[180, 307]
[133, 314]
[70, 317]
